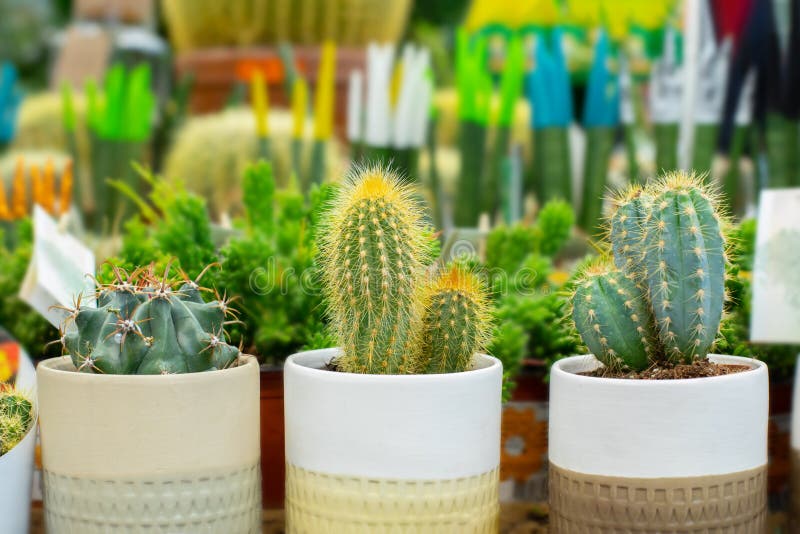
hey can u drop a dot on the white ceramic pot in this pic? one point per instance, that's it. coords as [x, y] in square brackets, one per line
[155, 453]
[16, 466]
[381, 453]
[658, 455]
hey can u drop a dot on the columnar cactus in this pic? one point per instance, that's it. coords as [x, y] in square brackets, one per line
[373, 249]
[149, 324]
[455, 323]
[374, 252]
[16, 417]
[669, 275]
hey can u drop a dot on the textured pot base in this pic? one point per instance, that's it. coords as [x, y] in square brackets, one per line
[735, 503]
[227, 501]
[318, 502]
[794, 503]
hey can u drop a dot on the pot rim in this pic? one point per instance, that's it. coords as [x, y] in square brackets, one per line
[63, 368]
[295, 364]
[589, 360]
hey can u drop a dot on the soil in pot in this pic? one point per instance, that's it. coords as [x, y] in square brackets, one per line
[698, 369]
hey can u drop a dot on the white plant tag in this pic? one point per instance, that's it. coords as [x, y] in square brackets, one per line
[712, 82]
[776, 277]
[60, 270]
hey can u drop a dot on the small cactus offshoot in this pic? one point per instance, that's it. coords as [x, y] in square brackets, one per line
[455, 323]
[374, 252]
[16, 418]
[148, 323]
[662, 299]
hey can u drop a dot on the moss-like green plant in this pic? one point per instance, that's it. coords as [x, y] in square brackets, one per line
[374, 254]
[149, 324]
[16, 418]
[664, 298]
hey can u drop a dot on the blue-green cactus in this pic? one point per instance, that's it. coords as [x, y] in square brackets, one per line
[668, 273]
[684, 267]
[613, 318]
[149, 324]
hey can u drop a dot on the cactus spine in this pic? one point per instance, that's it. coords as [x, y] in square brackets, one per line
[374, 252]
[456, 321]
[150, 324]
[16, 417]
[373, 249]
[669, 273]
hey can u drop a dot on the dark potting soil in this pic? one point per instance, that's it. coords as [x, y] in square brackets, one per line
[668, 371]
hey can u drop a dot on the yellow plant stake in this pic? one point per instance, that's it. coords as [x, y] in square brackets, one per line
[323, 110]
[18, 193]
[5, 211]
[37, 185]
[299, 108]
[260, 98]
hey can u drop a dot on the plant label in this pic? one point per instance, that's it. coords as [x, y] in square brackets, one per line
[776, 277]
[60, 271]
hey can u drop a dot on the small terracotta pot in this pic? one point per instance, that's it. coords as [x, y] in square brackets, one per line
[654, 456]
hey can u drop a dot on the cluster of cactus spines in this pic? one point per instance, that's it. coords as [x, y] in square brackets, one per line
[456, 322]
[613, 318]
[669, 251]
[373, 251]
[684, 267]
[148, 323]
[16, 417]
[375, 254]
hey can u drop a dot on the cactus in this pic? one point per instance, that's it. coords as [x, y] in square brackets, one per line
[149, 324]
[684, 266]
[456, 320]
[663, 299]
[16, 417]
[613, 318]
[374, 252]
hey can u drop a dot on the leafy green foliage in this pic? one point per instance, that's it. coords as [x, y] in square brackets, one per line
[29, 328]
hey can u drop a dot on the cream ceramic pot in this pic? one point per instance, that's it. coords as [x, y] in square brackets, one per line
[16, 466]
[658, 455]
[155, 453]
[381, 453]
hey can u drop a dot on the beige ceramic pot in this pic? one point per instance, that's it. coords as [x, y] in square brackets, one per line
[156, 453]
[653, 456]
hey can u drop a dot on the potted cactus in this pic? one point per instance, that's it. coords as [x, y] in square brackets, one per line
[399, 427]
[17, 446]
[151, 420]
[652, 433]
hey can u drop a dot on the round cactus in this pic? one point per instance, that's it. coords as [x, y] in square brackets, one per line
[373, 251]
[16, 417]
[457, 321]
[150, 324]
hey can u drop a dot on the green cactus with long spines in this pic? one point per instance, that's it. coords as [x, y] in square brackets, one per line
[613, 318]
[149, 324]
[454, 324]
[632, 208]
[16, 418]
[375, 254]
[684, 267]
[373, 249]
[669, 257]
